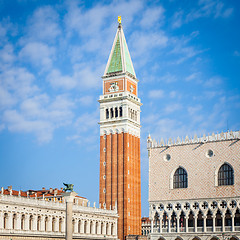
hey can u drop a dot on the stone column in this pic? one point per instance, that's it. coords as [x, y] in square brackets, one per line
[10, 221]
[34, 223]
[195, 223]
[42, 223]
[160, 224]
[81, 226]
[223, 222]
[186, 220]
[104, 228]
[93, 230]
[177, 223]
[204, 223]
[56, 224]
[233, 228]
[69, 196]
[88, 227]
[18, 221]
[75, 227]
[214, 224]
[26, 222]
[1, 220]
[169, 224]
[151, 225]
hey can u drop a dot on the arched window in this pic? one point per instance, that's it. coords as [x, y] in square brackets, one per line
[225, 175]
[107, 114]
[120, 111]
[180, 179]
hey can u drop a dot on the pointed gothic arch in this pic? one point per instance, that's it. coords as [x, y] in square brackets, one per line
[179, 178]
[226, 169]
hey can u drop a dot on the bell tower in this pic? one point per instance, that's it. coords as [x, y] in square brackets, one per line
[120, 180]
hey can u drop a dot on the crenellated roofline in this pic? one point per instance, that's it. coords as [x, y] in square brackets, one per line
[223, 136]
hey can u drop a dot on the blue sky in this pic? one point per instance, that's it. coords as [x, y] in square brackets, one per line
[186, 55]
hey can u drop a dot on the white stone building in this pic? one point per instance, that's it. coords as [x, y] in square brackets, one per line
[37, 218]
[194, 187]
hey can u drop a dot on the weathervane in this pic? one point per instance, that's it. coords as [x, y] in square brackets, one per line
[119, 19]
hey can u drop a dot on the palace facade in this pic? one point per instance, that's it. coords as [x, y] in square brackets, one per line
[194, 187]
[41, 215]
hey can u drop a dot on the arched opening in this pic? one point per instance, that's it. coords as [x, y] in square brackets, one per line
[196, 238]
[200, 221]
[237, 220]
[116, 112]
[5, 221]
[38, 223]
[228, 220]
[22, 222]
[209, 221]
[214, 238]
[85, 227]
[219, 221]
[164, 222]
[107, 114]
[53, 224]
[180, 178]
[174, 220]
[234, 238]
[156, 220]
[120, 111]
[225, 175]
[111, 112]
[45, 224]
[14, 221]
[73, 224]
[60, 224]
[191, 222]
[31, 222]
[182, 222]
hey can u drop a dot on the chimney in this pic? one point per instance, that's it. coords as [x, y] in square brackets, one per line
[50, 190]
[43, 188]
[9, 188]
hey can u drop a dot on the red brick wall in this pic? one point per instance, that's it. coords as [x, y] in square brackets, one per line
[122, 181]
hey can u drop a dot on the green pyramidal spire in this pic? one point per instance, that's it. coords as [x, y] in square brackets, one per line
[119, 60]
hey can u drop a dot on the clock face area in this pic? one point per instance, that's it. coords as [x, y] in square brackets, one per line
[113, 86]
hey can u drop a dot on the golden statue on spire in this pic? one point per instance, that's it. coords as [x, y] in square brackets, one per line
[119, 19]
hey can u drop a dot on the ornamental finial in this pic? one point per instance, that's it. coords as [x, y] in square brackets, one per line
[119, 19]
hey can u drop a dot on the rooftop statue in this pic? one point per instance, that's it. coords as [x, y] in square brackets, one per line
[69, 187]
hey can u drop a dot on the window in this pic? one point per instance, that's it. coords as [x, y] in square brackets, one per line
[120, 111]
[107, 113]
[225, 175]
[180, 179]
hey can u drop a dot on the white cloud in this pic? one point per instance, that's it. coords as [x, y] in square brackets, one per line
[86, 100]
[172, 108]
[43, 24]
[192, 110]
[59, 81]
[194, 76]
[19, 81]
[208, 8]
[168, 78]
[152, 16]
[156, 94]
[177, 19]
[142, 43]
[213, 81]
[38, 53]
[17, 123]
